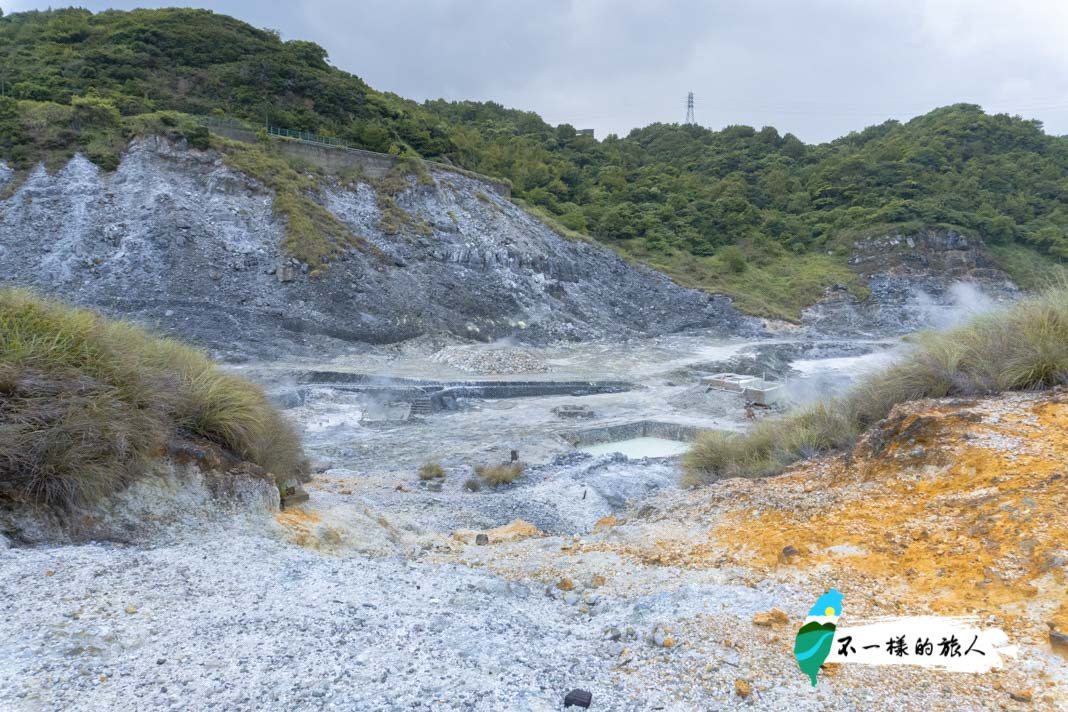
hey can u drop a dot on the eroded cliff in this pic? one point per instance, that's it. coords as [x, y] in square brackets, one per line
[178, 238]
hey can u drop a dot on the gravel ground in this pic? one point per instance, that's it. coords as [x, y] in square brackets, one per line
[374, 595]
[218, 614]
[492, 360]
[243, 618]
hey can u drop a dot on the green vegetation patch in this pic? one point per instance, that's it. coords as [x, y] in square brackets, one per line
[1023, 347]
[87, 402]
[313, 234]
[1030, 270]
[777, 285]
[396, 179]
[553, 222]
[395, 220]
[42, 131]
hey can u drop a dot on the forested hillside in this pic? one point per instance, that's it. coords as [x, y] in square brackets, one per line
[710, 207]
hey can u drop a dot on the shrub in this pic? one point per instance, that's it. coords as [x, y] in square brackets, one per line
[733, 258]
[1022, 347]
[503, 474]
[199, 138]
[86, 402]
[473, 484]
[431, 471]
[94, 111]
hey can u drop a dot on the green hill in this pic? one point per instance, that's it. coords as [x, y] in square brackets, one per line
[754, 213]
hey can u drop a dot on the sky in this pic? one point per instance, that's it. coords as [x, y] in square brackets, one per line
[818, 68]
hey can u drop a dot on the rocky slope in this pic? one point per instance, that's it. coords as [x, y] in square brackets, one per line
[176, 237]
[916, 280]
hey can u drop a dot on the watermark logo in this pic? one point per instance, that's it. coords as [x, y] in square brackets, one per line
[950, 643]
[816, 638]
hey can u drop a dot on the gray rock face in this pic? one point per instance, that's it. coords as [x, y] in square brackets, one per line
[178, 239]
[929, 279]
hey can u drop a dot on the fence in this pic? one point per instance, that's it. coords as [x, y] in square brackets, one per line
[307, 136]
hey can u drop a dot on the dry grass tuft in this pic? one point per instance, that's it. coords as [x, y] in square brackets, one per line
[503, 474]
[431, 471]
[86, 401]
[1023, 347]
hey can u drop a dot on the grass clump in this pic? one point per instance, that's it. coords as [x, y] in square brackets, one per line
[431, 471]
[503, 474]
[394, 220]
[473, 484]
[1022, 347]
[1029, 269]
[86, 403]
[396, 180]
[761, 280]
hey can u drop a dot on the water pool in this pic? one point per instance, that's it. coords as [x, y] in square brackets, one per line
[639, 447]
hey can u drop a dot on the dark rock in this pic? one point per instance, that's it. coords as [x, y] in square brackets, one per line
[578, 698]
[1058, 641]
[482, 539]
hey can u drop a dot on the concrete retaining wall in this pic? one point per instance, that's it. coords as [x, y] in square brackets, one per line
[443, 393]
[338, 158]
[637, 429]
[514, 389]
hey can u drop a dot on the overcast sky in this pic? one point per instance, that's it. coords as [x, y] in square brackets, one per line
[818, 69]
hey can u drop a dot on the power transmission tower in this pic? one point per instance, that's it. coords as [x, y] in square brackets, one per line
[689, 109]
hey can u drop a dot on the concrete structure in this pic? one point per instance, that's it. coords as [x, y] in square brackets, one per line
[763, 393]
[427, 396]
[397, 412]
[636, 429]
[753, 389]
[337, 158]
[573, 412]
[733, 382]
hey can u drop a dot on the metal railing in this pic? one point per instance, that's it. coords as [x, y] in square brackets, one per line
[308, 136]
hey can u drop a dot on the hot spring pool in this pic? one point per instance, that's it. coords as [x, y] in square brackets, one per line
[639, 447]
